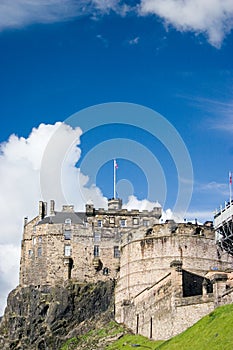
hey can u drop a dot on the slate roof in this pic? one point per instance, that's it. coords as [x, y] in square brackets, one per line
[60, 217]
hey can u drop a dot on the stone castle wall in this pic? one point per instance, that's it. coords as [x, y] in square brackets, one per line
[82, 246]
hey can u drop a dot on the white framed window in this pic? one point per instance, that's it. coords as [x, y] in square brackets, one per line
[112, 220]
[33, 240]
[99, 223]
[96, 251]
[123, 222]
[67, 250]
[135, 221]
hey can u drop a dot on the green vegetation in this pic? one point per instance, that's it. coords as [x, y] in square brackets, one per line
[130, 341]
[214, 332]
[70, 344]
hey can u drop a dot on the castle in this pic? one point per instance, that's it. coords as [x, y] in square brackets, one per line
[168, 275]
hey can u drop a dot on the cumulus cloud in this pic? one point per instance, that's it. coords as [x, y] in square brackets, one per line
[20, 187]
[214, 18]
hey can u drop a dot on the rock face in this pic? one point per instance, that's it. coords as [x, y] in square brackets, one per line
[43, 318]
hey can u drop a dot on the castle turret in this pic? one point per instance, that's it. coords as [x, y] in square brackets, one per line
[115, 204]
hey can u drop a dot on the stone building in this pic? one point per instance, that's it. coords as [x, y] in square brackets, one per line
[84, 246]
[168, 275]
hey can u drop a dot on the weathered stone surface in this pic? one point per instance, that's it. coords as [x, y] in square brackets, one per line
[44, 318]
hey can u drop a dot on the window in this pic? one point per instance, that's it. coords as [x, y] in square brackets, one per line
[68, 221]
[122, 222]
[39, 251]
[67, 234]
[96, 251]
[34, 240]
[105, 271]
[99, 223]
[30, 253]
[39, 239]
[34, 228]
[146, 222]
[116, 252]
[67, 251]
[112, 220]
[135, 221]
[97, 236]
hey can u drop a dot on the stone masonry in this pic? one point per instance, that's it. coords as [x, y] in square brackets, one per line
[167, 275]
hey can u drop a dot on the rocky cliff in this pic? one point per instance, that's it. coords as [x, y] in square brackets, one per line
[44, 318]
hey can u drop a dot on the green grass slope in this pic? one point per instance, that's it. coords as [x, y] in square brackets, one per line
[212, 332]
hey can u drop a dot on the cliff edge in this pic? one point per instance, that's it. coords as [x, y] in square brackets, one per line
[44, 318]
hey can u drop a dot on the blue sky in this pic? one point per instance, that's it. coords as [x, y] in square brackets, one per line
[58, 57]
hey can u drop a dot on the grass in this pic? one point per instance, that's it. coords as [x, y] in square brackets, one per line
[212, 332]
[130, 341]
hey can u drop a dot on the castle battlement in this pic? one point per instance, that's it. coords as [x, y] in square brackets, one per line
[165, 273]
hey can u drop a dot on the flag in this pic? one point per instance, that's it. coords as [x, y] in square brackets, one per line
[115, 164]
[230, 177]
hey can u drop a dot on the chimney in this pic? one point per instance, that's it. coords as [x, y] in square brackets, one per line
[25, 221]
[42, 210]
[52, 207]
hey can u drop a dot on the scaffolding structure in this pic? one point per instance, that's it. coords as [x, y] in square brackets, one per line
[223, 225]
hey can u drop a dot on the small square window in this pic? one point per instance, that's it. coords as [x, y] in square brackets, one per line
[146, 222]
[112, 220]
[123, 223]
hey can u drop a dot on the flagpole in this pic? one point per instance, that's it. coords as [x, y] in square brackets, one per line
[230, 185]
[114, 178]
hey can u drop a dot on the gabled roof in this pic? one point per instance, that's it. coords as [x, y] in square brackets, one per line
[60, 217]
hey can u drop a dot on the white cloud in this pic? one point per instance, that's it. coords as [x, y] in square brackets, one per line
[20, 13]
[20, 188]
[134, 203]
[134, 41]
[214, 18]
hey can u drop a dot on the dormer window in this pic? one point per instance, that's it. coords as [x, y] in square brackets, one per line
[68, 221]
